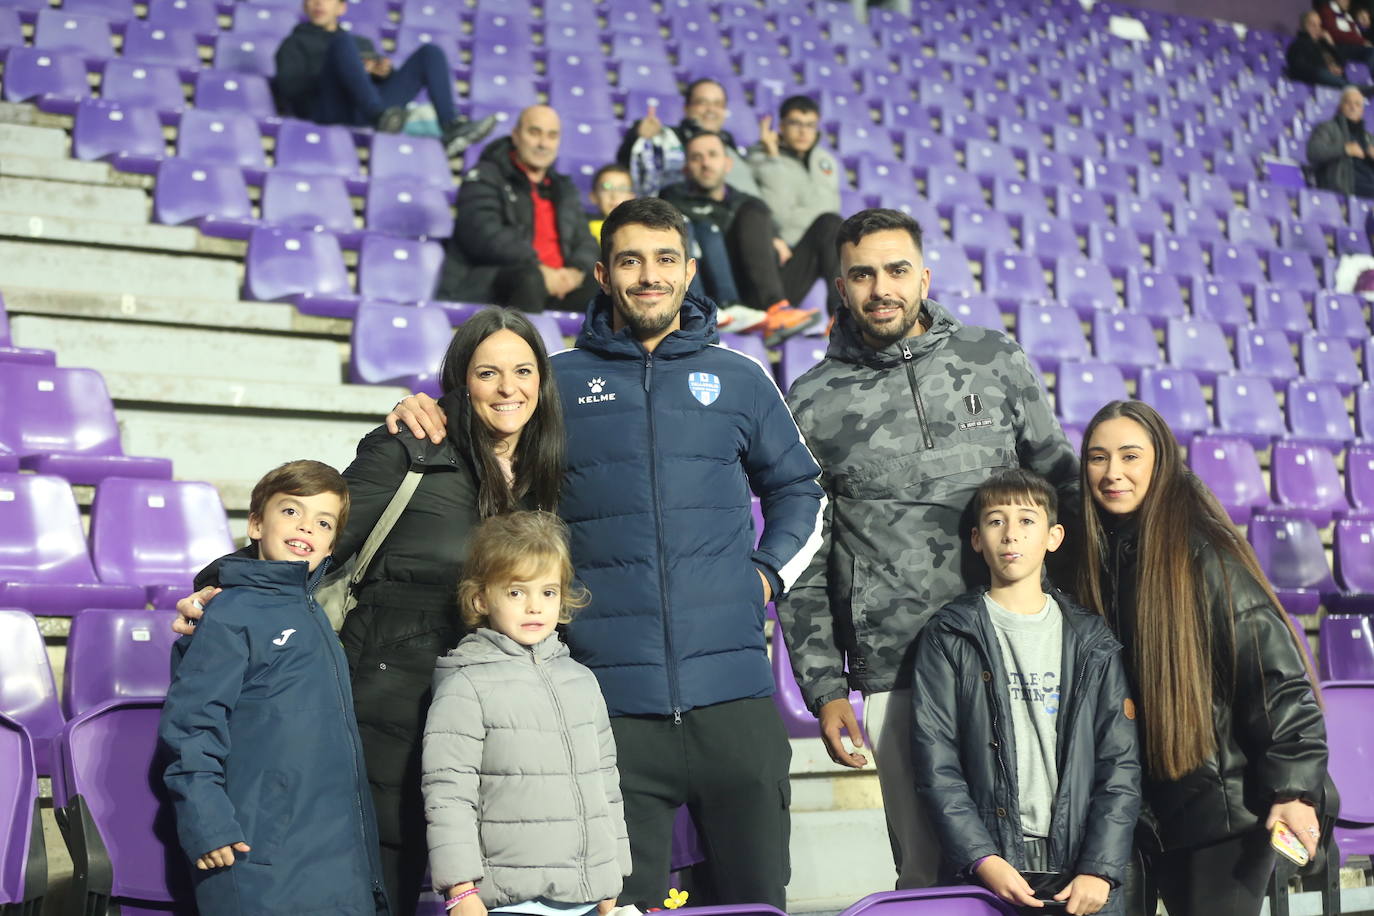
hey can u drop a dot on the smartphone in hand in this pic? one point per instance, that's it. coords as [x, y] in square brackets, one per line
[1287, 844]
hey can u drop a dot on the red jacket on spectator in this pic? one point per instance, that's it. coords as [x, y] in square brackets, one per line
[1340, 25]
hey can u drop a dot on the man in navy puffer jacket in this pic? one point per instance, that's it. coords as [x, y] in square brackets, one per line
[667, 434]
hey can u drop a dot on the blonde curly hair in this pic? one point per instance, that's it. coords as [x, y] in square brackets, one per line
[515, 546]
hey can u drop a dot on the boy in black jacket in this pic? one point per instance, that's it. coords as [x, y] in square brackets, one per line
[1024, 740]
[330, 76]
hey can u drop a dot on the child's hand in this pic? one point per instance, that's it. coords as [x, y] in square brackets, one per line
[998, 876]
[1086, 895]
[605, 907]
[222, 857]
[471, 905]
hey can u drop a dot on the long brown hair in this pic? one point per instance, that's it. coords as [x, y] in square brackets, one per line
[1176, 650]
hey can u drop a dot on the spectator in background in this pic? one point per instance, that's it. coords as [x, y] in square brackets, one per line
[654, 152]
[1311, 57]
[800, 181]
[523, 239]
[1340, 151]
[610, 188]
[330, 76]
[1347, 40]
[756, 267]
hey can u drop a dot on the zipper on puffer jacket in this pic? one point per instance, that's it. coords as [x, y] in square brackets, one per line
[909, 358]
[578, 801]
[669, 657]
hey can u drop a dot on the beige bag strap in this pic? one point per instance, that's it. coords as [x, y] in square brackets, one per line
[383, 527]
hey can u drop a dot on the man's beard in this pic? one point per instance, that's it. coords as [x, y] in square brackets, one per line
[895, 330]
[645, 326]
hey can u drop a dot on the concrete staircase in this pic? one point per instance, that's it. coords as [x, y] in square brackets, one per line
[227, 389]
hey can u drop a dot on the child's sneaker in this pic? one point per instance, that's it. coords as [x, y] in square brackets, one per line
[784, 321]
[462, 133]
[740, 319]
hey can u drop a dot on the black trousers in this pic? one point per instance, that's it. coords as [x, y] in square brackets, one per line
[520, 287]
[1228, 878]
[759, 277]
[728, 763]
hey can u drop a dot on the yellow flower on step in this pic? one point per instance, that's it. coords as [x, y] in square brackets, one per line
[676, 898]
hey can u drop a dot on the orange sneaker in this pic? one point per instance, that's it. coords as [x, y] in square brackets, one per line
[784, 321]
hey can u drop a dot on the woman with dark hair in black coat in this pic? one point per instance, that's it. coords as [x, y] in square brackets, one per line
[504, 450]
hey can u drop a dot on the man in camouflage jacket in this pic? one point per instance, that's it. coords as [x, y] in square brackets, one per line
[907, 414]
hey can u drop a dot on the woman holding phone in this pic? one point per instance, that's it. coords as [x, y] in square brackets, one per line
[1232, 736]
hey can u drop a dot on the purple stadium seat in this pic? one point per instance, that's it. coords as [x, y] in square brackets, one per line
[1352, 552]
[1177, 395]
[1051, 168]
[118, 811]
[949, 187]
[1116, 247]
[1125, 339]
[980, 231]
[23, 860]
[1050, 334]
[116, 12]
[1306, 482]
[86, 36]
[1084, 285]
[251, 53]
[549, 330]
[1081, 388]
[143, 86]
[1269, 200]
[1346, 705]
[1083, 206]
[187, 15]
[1154, 294]
[28, 694]
[1303, 238]
[420, 158]
[287, 263]
[748, 344]
[1180, 256]
[1221, 301]
[157, 534]
[934, 901]
[800, 353]
[1321, 207]
[224, 90]
[398, 270]
[1245, 228]
[1359, 479]
[408, 207]
[1145, 217]
[1076, 141]
[1199, 346]
[1246, 407]
[114, 654]
[128, 138]
[788, 697]
[1242, 264]
[925, 150]
[1231, 470]
[1049, 238]
[214, 197]
[1281, 310]
[949, 268]
[1292, 271]
[1316, 412]
[975, 309]
[1291, 554]
[398, 345]
[45, 567]
[154, 45]
[875, 175]
[1352, 241]
[1341, 315]
[1347, 647]
[61, 421]
[1198, 223]
[308, 201]
[318, 150]
[53, 81]
[1213, 192]
[1112, 178]
[1329, 359]
[272, 25]
[1013, 277]
[1019, 198]
[223, 138]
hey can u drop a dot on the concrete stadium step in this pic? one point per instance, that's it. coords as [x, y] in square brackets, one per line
[27, 140]
[187, 354]
[41, 197]
[75, 171]
[83, 230]
[84, 268]
[837, 858]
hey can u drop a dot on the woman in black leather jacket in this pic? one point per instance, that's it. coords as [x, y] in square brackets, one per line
[1231, 733]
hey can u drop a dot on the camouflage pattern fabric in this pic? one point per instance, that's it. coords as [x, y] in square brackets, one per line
[904, 435]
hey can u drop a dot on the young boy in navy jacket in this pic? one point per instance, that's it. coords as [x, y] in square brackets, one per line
[266, 771]
[1024, 735]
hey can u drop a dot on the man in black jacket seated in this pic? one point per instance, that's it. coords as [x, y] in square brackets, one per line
[521, 238]
[330, 76]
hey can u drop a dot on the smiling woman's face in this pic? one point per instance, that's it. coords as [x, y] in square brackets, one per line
[503, 385]
[1120, 464]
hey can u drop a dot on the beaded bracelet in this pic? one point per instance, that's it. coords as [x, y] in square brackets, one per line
[451, 902]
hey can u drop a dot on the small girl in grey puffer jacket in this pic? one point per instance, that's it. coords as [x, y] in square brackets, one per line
[521, 792]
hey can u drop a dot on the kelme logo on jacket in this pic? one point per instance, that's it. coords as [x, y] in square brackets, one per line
[973, 406]
[598, 394]
[705, 387]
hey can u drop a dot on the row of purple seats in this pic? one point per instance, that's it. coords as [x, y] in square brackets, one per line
[1290, 551]
[148, 539]
[1305, 479]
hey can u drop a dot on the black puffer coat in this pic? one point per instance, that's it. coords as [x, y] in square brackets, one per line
[1271, 738]
[965, 748]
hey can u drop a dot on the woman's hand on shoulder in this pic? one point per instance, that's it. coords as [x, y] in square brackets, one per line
[422, 415]
[191, 608]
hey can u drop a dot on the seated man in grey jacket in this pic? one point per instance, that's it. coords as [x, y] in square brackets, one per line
[799, 179]
[1341, 151]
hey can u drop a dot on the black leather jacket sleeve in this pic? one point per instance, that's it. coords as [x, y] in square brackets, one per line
[373, 478]
[1110, 830]
[939, 770]
[1277, 720]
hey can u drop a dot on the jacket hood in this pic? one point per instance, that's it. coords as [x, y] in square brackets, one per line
[847, 343]
[698, 331]
[276, 575]
[484, 646]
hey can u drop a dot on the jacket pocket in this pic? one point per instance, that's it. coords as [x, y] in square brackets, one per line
[273, 817]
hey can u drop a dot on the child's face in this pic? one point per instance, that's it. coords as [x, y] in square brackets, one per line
[1014, 539]
[525, 610]
[611, 191]
[324, 13]
[297, 528]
